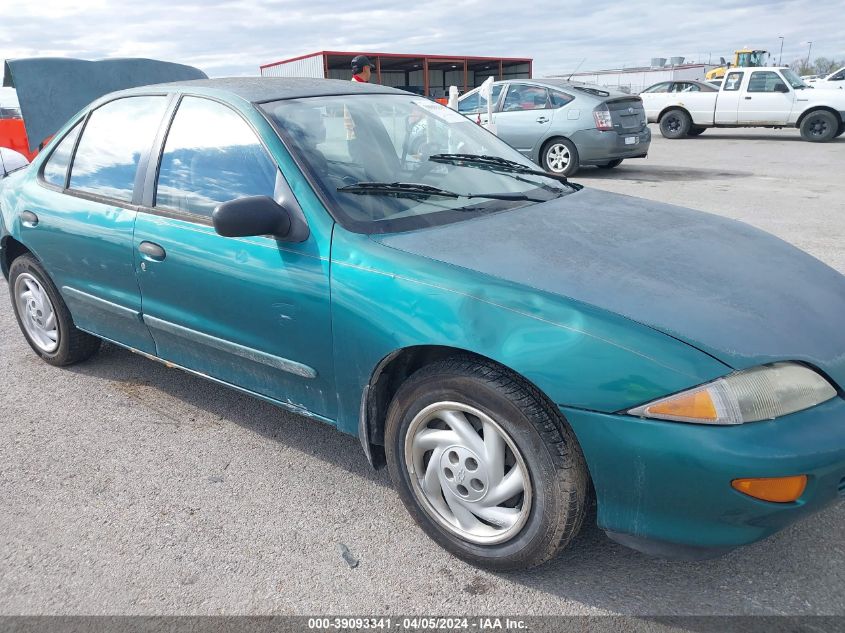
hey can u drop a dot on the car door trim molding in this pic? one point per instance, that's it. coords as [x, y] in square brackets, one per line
[102, 304]
[249, 353]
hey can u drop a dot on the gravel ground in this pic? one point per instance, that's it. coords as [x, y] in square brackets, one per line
[130, 488]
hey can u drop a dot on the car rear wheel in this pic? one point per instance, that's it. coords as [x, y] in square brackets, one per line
[43, 316]
[614, 163]
[819, 126]
[560, 156]
[485, 465]
[675, 124]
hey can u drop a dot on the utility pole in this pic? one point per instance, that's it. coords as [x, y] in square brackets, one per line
[780, 57]
[809, 50]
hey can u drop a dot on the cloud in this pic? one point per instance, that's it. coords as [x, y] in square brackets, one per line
[234, 37]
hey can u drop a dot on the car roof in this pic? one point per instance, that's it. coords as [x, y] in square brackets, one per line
[264, 89]
[584, 89]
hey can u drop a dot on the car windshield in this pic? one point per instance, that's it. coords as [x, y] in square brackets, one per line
[794, 80]
[377, 148]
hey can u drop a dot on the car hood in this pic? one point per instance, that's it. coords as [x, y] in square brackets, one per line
[737, 293]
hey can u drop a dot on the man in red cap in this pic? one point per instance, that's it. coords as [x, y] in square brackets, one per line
[362, 69]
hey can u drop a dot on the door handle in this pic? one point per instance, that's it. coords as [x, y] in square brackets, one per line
[542, 119]
[29, 219]
[152, 251]
[748, 98]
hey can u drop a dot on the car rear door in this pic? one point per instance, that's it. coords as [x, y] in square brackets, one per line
[251, 312]
[727, 101]
[767, 99]
[79, 220]
[524, 118]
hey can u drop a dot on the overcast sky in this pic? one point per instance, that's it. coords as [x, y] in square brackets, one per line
[235, 37]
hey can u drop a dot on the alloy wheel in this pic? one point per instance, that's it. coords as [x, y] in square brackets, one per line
[558, 157]
[467, 473]
[37, 313]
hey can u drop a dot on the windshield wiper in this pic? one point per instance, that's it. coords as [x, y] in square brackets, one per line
[500, 164]
[419, 191]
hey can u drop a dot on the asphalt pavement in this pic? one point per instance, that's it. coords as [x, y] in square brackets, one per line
[127, 487]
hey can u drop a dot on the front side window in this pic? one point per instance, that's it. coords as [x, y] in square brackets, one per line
[522, 97]
[766, 81]
[211, 156]
[838, 76]
[476, 102]
[55, 169]
[115, 138]
[353, 141]
[733, 81]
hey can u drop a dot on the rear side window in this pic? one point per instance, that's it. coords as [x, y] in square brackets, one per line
[55, 169]
[732, 82]
[211, 156]
[661, 87]
[683, 86]
[115, 137]
[522, 97]
[559, 99]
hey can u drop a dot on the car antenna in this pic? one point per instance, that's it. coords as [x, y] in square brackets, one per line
[576, 68]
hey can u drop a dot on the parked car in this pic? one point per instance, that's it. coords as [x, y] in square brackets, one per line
[11, 161]
[835, 80]
[507, 342]
[682, 86]
[563, 125]
[750, 97]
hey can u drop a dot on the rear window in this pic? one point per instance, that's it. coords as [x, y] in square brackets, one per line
[593, 91]
[115, 138]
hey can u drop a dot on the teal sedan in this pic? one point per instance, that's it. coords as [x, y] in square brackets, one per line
[509, 344]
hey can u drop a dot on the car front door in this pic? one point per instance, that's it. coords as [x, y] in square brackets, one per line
[524, 118]
[252, 312]
[767, 99]
[727, 101]
[79, 224]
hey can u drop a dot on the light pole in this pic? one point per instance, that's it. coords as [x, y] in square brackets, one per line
[780, 57]
[809, 50]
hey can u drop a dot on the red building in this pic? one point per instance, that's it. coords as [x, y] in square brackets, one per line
[429, 75]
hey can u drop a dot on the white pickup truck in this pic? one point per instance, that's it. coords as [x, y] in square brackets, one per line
[751, 97]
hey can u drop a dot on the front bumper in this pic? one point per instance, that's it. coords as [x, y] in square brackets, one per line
[664, 487]
[597, 148]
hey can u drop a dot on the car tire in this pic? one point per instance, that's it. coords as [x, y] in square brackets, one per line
[675, 124]
[696, 131]
[840, 131]
[532, 453]
[614, 163]
[819, 126]
[560, 156]
[43, 316]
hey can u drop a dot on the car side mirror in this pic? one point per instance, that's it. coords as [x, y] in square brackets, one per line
[254, 215]
[781, 88]
[10, 161]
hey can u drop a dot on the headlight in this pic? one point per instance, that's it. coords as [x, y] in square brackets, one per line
[762, 393]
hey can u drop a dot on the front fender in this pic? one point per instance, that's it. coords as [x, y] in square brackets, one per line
[385, 300]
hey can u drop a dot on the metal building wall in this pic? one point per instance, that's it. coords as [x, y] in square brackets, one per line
[312, 66]
[636, 81]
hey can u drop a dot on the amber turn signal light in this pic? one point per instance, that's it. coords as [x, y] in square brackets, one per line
[776, 489]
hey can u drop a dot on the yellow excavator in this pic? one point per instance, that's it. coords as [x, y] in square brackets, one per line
[746, 57]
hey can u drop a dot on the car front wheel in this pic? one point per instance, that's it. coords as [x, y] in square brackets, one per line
[560, 156]
[44, 318]
[485, 465]
[819, 126]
